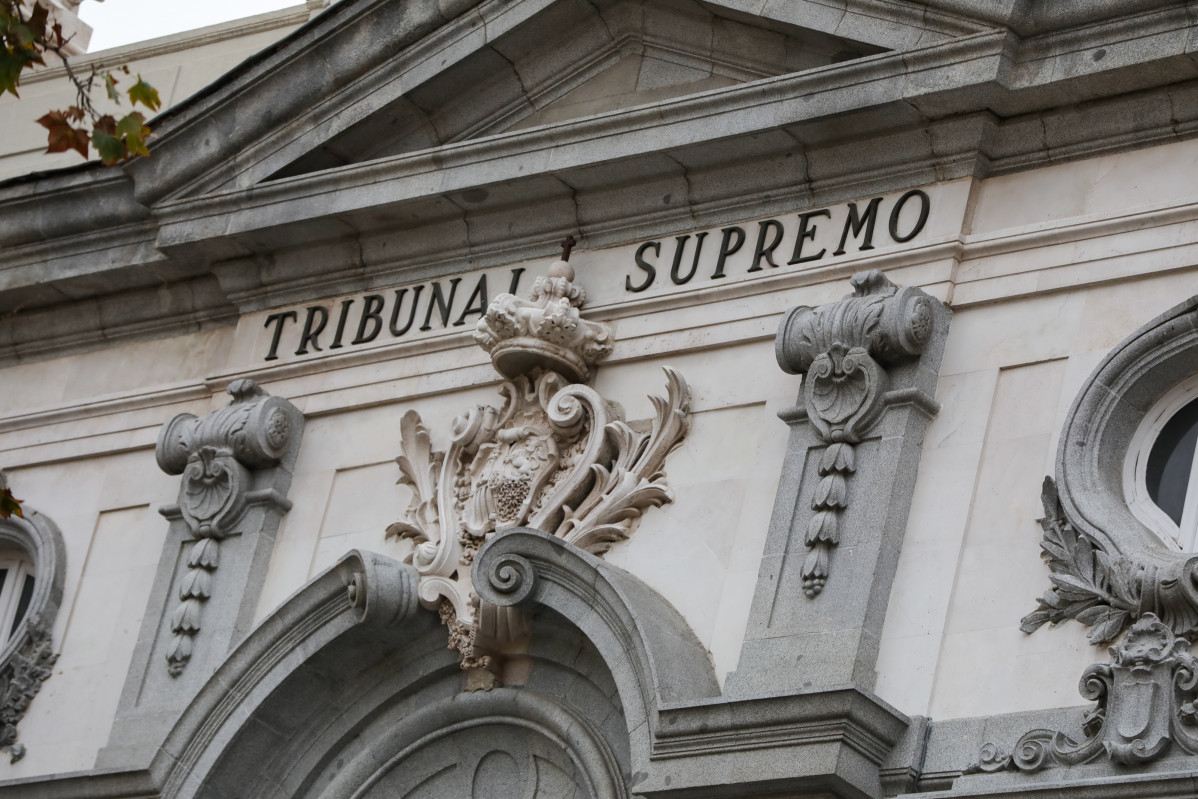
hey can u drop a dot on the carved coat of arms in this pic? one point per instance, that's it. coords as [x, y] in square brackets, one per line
[557, 456]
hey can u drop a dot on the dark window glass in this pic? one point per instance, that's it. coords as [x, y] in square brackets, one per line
[1170, 462]
[3, 579]
[22, 603]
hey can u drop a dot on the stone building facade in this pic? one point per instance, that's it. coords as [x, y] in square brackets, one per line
[617, 398]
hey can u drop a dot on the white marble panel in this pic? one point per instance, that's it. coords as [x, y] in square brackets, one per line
[1109, 185]
[363, 501]
[984, 659]
[68, 721]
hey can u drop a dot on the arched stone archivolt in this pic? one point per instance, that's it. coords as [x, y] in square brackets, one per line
[349, 692]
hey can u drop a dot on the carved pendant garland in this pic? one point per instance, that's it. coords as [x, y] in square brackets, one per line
[556, 456]
[841, 349]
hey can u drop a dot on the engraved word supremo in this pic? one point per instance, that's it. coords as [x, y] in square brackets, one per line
[803, 239]
[905, 219]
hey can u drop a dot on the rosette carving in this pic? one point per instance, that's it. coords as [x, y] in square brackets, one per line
[1145, 703]
[217, 455]
[557, 456]
[843, 349]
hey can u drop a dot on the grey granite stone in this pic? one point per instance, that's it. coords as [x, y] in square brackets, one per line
[238, 462]
[821, 598]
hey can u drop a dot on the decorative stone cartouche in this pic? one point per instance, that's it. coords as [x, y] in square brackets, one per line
[557, 456]
[1145, 703]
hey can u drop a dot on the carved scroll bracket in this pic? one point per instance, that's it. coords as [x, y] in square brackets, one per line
[219, 456]
[557, 456]
[843, 349]
[1145, 703]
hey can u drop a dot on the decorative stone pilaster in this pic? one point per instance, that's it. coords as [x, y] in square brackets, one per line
[235, 467]
[870, 364]
[216, 456]
[842, 349]
[1145, 703]
[557, 457]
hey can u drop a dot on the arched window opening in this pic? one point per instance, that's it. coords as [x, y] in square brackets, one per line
[1160, 478]
[17, 582]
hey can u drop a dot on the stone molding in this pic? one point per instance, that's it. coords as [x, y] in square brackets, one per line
[59, 226]
[215, 456]
[681, 729]
[363, 588]
[27, 657]
[1108, 567]
[655, 658]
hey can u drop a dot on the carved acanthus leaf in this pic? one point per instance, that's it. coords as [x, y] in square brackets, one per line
[20, 681]
[419, 466]
[634, 481]
[1105, 592]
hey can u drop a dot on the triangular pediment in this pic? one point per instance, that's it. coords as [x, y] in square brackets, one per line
[503, 67]
[577, 59]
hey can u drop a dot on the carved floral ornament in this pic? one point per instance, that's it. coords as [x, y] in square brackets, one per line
[843, 349]
[1145, 697]
[557, 456]
[1108, 568]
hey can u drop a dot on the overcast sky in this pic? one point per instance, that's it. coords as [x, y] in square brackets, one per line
[118, 22]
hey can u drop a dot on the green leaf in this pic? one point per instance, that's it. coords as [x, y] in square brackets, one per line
[109, 146]
[110, 87]
[133, 130]
[10, 71]
[144, 93]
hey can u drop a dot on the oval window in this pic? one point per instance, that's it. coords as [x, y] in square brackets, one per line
[1159, 478]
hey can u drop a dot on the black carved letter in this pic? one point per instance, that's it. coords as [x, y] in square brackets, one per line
[372, 307]
[280, 318]
[728, 248]
[312, 328]
[925, 205]
[856, 223]
[650, 269]
[763, 250]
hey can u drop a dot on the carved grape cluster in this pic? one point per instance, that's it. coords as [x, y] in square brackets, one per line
[509, 497]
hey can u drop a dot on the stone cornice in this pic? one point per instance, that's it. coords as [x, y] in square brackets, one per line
[897, 103]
